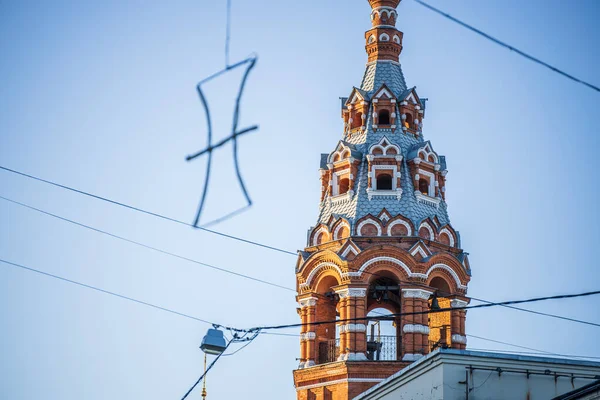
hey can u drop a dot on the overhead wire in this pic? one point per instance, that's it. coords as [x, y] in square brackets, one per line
[143, 211]
[229, 271]
[153, 248]
[507, 46]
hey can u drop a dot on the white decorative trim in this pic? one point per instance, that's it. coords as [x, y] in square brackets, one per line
[427, 200]
[308, 336]
[316, 269]
[397, 193]
[410, 274]
[399, 222]
[451, 271]
[456, 303]
[368, 221]
[353, 328]
[351, 292]
[411, 97]
[458, 339]
[338, 228]
[416, 294]
[450, 235]
[350, 248]
[429, 229]
[342, 198]
[316, 235]
[382, 92]
[415, 328]
[308, 302]
[419, 250]
[411, 357]
[384, 37]
[349, 380]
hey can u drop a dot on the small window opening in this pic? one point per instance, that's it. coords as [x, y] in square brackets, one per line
[384, 117]
[384, 182]
[424, 186]
[344, 185]
[408, 122]
[357, 121]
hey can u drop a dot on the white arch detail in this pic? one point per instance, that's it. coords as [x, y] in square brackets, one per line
[384, 37]
[407, 270]
[337, 229]
[368, 221]
[396, 39]
[450, 270]
[429, 228]
[399, 222]
[371, 39]
[319, 267]
[450, 235]
[316, 235]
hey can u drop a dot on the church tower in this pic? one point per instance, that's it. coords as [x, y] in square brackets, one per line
[383, 242]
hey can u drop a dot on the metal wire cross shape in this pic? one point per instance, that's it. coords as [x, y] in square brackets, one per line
[249, 63]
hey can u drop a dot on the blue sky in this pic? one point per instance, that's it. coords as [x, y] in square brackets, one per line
[100, 96]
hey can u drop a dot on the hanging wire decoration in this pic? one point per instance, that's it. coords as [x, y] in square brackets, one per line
[248, 63]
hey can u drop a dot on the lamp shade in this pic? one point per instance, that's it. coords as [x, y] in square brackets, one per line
[214, 342]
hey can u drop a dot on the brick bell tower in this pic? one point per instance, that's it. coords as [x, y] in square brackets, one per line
[383, 242]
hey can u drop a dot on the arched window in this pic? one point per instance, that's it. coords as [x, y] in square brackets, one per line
[408, 122]
[384, 117]
[377, 151]
[384, 182]
[344, 185]
[431, 159]
[424, 186]
[357, 120]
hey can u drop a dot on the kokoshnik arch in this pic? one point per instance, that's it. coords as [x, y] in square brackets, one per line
[383, 239]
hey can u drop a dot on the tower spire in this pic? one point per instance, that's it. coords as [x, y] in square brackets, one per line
[384, 41]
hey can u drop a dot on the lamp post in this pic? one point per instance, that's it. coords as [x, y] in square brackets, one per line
[213, 343]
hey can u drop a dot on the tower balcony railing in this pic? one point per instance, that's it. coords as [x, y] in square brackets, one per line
[381, 348]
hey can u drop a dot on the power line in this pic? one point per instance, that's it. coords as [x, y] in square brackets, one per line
[130, 207]
[509, 47]
[403, 314]
[37, 271]
[147, 246]
[258, 279]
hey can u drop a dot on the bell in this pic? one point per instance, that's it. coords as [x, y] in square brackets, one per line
[435, 305]
[214, 342]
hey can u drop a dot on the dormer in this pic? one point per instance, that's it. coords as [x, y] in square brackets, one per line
[339, 171]
[384, 163]
[355, 111]
[411, 112]
[384, 109]
[428, 176]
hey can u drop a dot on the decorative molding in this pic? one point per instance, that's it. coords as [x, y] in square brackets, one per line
[427, 200]
[459, 339]
[416, 293]
[399, 222]
[342, 198]
[350, 248]
[450, 235]
[415, 328]
[456, 303]
[451, 271]
[316, 235]
[397, 193]
[308, 302]
[308, 336]
[317, 269]
[351, 292]
[353, 328]
[347, 380]
[368, 221]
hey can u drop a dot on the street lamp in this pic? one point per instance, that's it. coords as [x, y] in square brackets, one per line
[214, 342]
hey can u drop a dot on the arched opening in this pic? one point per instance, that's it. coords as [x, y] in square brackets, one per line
[424, 233]
[384, 182]
[321, 238]
[384, 117]
[424, 186]
[369, 230]
[346, 154]
[357, 120]
[408, 122]
[344, 185]
[327, 336]
[431, 159]
[391, 152]
[336, 157]
[439, 323]
[384, 338]
[444, 238]
[377, 151]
